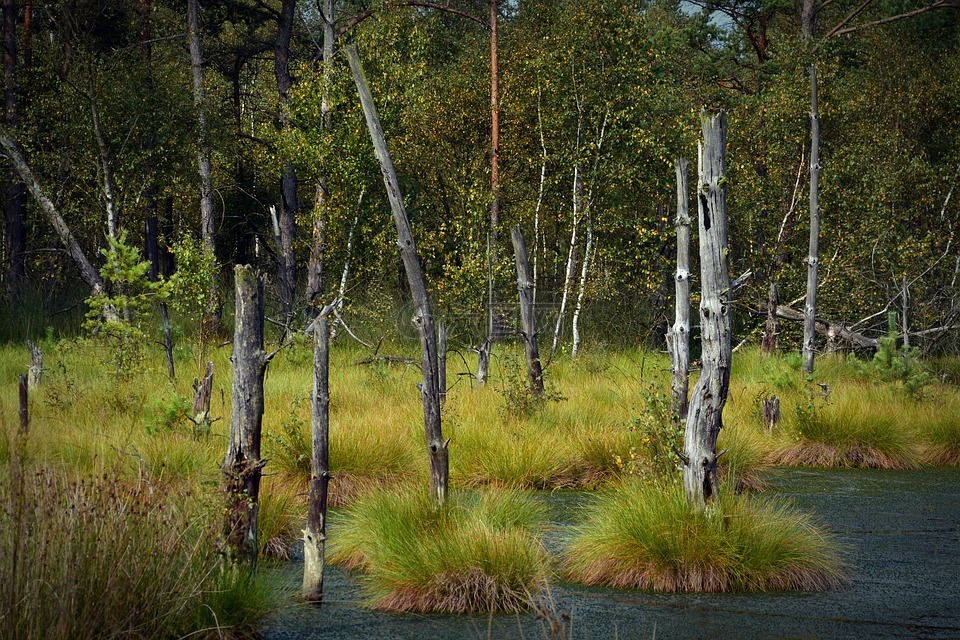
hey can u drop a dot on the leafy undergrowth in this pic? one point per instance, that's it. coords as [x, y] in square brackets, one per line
[649, 536]
[479, 553]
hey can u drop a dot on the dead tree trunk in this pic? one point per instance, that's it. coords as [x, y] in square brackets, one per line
[442, 360]
[242, 466]
[813, 259]
[153, 255]
[288, 178]
[315, 267]
[704, 418]
[89, 275]
[207, 224]
[678, 340]
[35, 369]
[24, 396]
[202, 393]
[423, 318]
[771, 329]
[315, 534]
[528, 318]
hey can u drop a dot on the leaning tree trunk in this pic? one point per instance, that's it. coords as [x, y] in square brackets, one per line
[422, 318]
[704, 418]
[89, 275]
[242, 467]
[528, 318]
[678, 340]
[315, 534]
[813, 259]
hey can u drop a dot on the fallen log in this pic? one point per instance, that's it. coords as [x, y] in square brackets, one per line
[832, 330]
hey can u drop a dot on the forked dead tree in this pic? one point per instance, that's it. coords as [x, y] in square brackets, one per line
[422, 317]
[243, 467]
[704, 418]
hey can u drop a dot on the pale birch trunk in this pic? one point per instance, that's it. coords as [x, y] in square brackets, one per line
[704, 418]
[423, 317]
[571, 255]
[578, 307]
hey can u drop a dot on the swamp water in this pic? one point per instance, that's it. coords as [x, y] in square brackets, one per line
[901, 531]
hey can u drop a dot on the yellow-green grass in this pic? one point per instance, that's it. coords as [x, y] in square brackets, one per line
[651, 537]
[940, 431]
[480, 552]
[862, 425]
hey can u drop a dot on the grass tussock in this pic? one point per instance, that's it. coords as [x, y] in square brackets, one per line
[101, 557]
[862, 427]
[650, 537]
[941, 433]
[480, 553]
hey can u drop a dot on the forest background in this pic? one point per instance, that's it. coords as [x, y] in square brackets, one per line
[596, 100]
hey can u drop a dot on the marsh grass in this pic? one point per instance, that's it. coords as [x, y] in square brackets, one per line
[479, 553]
[101, 557]
[941, 432]
[649, 536]
[865, 426]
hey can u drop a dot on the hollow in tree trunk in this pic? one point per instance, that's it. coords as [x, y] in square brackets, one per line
[243, 467]
[704, 417]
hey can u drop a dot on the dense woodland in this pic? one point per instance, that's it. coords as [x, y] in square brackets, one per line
[109, 106]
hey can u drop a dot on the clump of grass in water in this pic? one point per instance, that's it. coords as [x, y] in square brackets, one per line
[649, 536]
[941, 433]
[477, 554]
[859, 428]
[101, 558]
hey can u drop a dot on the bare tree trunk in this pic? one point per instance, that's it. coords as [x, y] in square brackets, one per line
[242, 467]
[813, 259]
[24, 397]
[571, 254]
[315, 534]
[423, 318]
[678, 340]
[153, 255]
[106, 166]
[15, 241]
[704, 418]
[771, 329]
[494, 238]
[89, 275]
[288, 179]
[35, 369]
[202, 393]
[207, 222]
[341, 292]
[315, 268]
[905, 299]
[528, 319]
[578, 307]
[442, 360]
[536, 211]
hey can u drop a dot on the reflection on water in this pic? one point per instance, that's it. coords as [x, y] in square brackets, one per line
[902, 531]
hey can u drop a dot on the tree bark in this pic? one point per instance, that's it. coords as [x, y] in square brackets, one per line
[528, 318]
[315, 267]
[813, 259]
[242, 466]
[35, 369]
[24, 396]
[678, 340]
[315, 534]
[423, 318]
[771, 328]
[585, 265]
[571, 253]
[153, 255]
[704, 418]
[202, 393]
[89, 275]
[442, 360]
[207, 222]
[288, 179]
[494, 238]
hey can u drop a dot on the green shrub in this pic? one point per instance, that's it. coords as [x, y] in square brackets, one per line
[650, 536]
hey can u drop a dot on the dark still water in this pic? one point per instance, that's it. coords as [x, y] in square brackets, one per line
[902, 531]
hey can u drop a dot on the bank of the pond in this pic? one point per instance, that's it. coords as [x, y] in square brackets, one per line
[902, 530]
